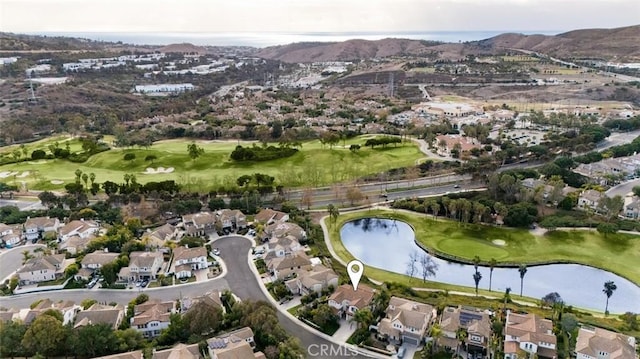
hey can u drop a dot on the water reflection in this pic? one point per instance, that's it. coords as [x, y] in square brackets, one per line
[387, 244]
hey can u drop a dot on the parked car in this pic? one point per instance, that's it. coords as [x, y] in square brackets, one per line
[216, 251]
[93, 282]
[144, 283]
[401, 352]
[456, 186]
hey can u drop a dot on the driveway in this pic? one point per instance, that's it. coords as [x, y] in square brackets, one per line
[11, 259]
[344, 332]
[622, 189]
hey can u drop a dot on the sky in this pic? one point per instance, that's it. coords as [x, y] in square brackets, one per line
[34, 16]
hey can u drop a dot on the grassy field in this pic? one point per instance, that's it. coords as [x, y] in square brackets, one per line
[313, 165]
[617, 253]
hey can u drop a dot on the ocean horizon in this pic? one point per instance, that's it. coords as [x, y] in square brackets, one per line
[265, 39]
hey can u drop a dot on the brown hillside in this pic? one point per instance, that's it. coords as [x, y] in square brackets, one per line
[184, 48]
[346, 51]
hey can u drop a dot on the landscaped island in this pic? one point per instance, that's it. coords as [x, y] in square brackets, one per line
[616, 253]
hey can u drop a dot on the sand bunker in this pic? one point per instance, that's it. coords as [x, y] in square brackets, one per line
[57, 182]
[152, 171]
[40, 162]
[7, 174]
[23, 174]
[499, 242]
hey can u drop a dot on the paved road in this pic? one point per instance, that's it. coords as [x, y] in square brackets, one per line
[11, 259]
[243, 283]
[23, 205]
[617, 138]
[623, 188]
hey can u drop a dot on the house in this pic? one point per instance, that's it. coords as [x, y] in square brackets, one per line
[446, 144]
[96, 260]
[128, 355]
[269, 216]
[142, 265]
[34, 228]
[345, 301]
[281, 246]
[199, 224]
[406, 321]
[476, 322]
[76, 244]
[589, 199]
[211, 298]
[238, 344]
[180, 351]
[159, 236]
[527, 335]
[598, 343]
[82, 228]
[100, 314]
[281, 267]
[67, 308]
[163, 88]
[42, 269]
[316, 280]
[231, 219]
[186, 260]
[632, 208]
[11, 236]
[284, 229]
[152, 317]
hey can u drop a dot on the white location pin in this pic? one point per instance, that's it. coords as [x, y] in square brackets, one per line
[355, 275]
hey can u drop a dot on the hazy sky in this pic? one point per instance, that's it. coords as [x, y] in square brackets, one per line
[312, 15]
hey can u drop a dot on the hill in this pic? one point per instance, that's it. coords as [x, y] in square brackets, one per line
[601, 43]
[347, 50]
[183, 48]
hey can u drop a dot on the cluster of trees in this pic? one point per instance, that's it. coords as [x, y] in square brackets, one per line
[623, 150]
[264, 153]
[382, 141]
[46, 336]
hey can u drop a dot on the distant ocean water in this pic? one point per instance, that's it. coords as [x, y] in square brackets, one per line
[264, 39]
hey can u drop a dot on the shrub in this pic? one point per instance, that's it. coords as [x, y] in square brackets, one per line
[129, 156]
[38, 155]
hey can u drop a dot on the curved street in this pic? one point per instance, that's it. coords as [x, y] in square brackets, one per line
[239, 278]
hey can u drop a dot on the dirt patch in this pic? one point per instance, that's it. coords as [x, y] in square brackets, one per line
[499, 242]
[57, 182]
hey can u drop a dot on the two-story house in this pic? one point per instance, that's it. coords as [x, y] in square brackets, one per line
[92, 262]
[159, 236]
[42, 269]
[406, 321]
[281, 267]
[180, 351]
[280, 230]
[345, 301]
[598, 343]
[477, 324]
[527, 335]
[199, 224]
[187, 260]
[76, 244]
[231, 219]
[34, 228]
[10, 236]
[82, 228]
[632, 208]
[236, 344]
[67, 308]
[589, 199]
[142, 266]
[269, 216]
[281, 246]
[152, 317]
[316, 280]
[100, 314]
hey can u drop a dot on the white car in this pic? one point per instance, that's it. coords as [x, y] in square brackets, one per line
[216, 251]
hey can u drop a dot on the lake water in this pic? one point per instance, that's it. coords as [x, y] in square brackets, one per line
[387, 244]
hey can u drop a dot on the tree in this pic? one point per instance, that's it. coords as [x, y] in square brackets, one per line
[216, 203]
[94, 340]
[177, 331]
[194, 151]
[323, 316]
[151, 158]
[522, 270]
[550, 299]
[334, 212]
[363, 317]
[78, 174]
[476, 262]
[38, 155]
[412, 264]
[130, 156]
[609, 288]
[354, 194]
[45, 336]
[492, 264]
[461, 335]
[11, 334]
[26, 255]
[435, 209]
[427, 266]
[203, 319]
[307, 197]
[607, 228]
[85, 179]
[477, 276]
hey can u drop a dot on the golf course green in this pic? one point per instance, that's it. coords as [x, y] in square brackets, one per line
[314, 165]
[617, 253]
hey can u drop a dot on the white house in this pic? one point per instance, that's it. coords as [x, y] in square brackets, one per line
[598, 343]
[164, 88]
[345, 301]
[38, 69]
[187, 260]
[67, 308]
[316, 280]
[142, 265]
[236, 344]
[589, 199]
[42, 269]
[152, 317]
[96, 260]
[529, 333]
[11, 236]
[82, 228]
[35, 227]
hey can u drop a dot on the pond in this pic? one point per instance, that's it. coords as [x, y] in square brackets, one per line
[387, 244]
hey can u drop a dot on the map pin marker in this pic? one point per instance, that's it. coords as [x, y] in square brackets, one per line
[354, 274]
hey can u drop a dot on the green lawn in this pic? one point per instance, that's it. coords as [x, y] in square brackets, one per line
[617, 253]
[314, 165]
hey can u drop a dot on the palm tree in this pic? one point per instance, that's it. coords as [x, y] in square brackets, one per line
[26, 256]
[476, 278]
[333, 212]
[461, 335]
[507, 295]
[523, 270]
[436, 333]
[609, 288]
[435, 208]
[363, 317]
[492, 263]
[476, 262]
